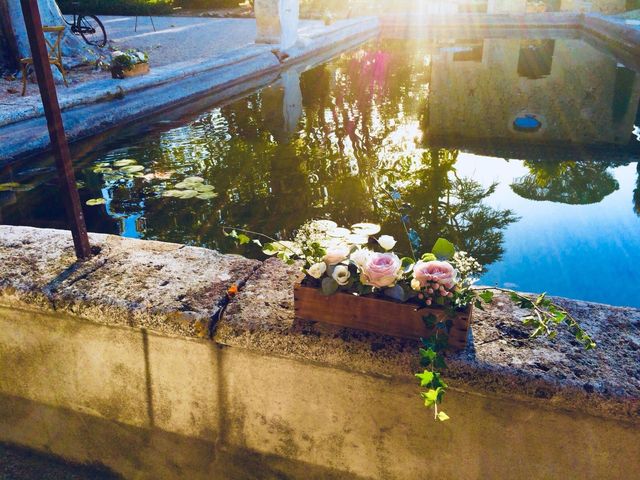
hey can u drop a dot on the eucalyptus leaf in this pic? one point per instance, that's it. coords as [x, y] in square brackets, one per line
[329, 286]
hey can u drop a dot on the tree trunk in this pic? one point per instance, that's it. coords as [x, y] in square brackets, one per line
[74, 50]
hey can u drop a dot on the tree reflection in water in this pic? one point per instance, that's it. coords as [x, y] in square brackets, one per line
[571, 182]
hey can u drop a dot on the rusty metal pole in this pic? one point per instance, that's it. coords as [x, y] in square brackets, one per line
[57, 135]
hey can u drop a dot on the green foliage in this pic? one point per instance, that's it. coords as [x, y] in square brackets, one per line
[443, 249]
[117, 7]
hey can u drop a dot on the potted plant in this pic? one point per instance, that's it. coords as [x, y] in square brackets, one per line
[129, 63]
[353, 278]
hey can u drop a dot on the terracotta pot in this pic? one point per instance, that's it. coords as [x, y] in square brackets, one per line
[136, 70]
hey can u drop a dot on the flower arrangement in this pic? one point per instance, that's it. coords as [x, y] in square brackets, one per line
[128, 61]
[359, 261]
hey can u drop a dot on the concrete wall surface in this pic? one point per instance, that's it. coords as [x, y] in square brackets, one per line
[265, 396]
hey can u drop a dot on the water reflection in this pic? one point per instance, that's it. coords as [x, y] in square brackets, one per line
[323, 142]
[575, 183]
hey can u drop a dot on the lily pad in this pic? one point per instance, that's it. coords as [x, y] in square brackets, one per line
[357, 239]
[132, 168]
[172, 193]
[96, 201]
[339, 232]
[102, 170]
[16, 187]
[201, 187]
[9, 186]
[124, 162]
[365, 228]
[207, 195]
[194, 180]
[187, 194]
[184, 185]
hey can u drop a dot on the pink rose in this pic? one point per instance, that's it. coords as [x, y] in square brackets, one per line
[381, 270]
[442, 273]
[336, 254]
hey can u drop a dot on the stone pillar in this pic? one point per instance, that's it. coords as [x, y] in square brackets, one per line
[277, 22]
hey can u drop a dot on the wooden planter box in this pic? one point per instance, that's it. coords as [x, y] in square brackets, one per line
[377, 315]
[136, 70]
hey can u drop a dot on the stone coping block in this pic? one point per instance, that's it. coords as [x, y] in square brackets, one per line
[500, 358]
[180, 290]
[165, 287]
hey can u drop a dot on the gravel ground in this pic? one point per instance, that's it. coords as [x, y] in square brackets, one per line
[23, 464]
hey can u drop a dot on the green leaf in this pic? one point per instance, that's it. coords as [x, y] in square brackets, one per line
[442, 416]
[243, 239]
[96, 201]
[428, 257]
[428, 354]
[432, 396]
[329, 286]
[270, 249]
[486, 296]
[407, 264]
[124, 162]
[429, 320]
[443, 249]
[425, 378]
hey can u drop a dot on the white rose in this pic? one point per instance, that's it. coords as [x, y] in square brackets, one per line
[387, 242]
[317, 269]
[336, 254]
[341, 274]
[360, 257]
[415, 284]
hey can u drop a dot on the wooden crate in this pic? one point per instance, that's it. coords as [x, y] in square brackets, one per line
[377, 315]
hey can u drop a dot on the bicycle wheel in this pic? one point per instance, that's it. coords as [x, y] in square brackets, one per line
[92, 30]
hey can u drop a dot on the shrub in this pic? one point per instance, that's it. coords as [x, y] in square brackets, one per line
[118, 7]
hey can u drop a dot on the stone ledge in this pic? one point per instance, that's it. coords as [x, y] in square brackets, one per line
[169, 288]
[500, 358]
[179, 290]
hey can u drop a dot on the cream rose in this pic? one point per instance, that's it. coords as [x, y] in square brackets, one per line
[381, 270]
[387, 242]
[317, 269]
[341, 274]
[440, 273]
[336, 254]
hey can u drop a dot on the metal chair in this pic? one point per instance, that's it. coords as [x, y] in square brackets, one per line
[55, 56]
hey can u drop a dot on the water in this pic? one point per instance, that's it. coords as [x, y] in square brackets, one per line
[522, 151]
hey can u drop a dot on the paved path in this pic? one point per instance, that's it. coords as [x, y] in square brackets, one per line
[186, 38]
[180, 38]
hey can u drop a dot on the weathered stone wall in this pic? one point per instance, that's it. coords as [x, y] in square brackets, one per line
[170, 390]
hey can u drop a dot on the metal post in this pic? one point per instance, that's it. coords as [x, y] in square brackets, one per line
[57, 135]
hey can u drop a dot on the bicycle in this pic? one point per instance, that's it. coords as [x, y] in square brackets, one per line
[89, 27]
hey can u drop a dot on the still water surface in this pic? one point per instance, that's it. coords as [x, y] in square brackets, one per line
[522, 151]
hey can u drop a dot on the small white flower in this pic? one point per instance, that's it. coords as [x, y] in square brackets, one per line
[415, 284]
[360, 257]
[317, 269]
[341, 274]
[387, 242]
[142, 56]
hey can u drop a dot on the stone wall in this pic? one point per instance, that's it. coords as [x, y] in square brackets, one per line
[126, 360]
